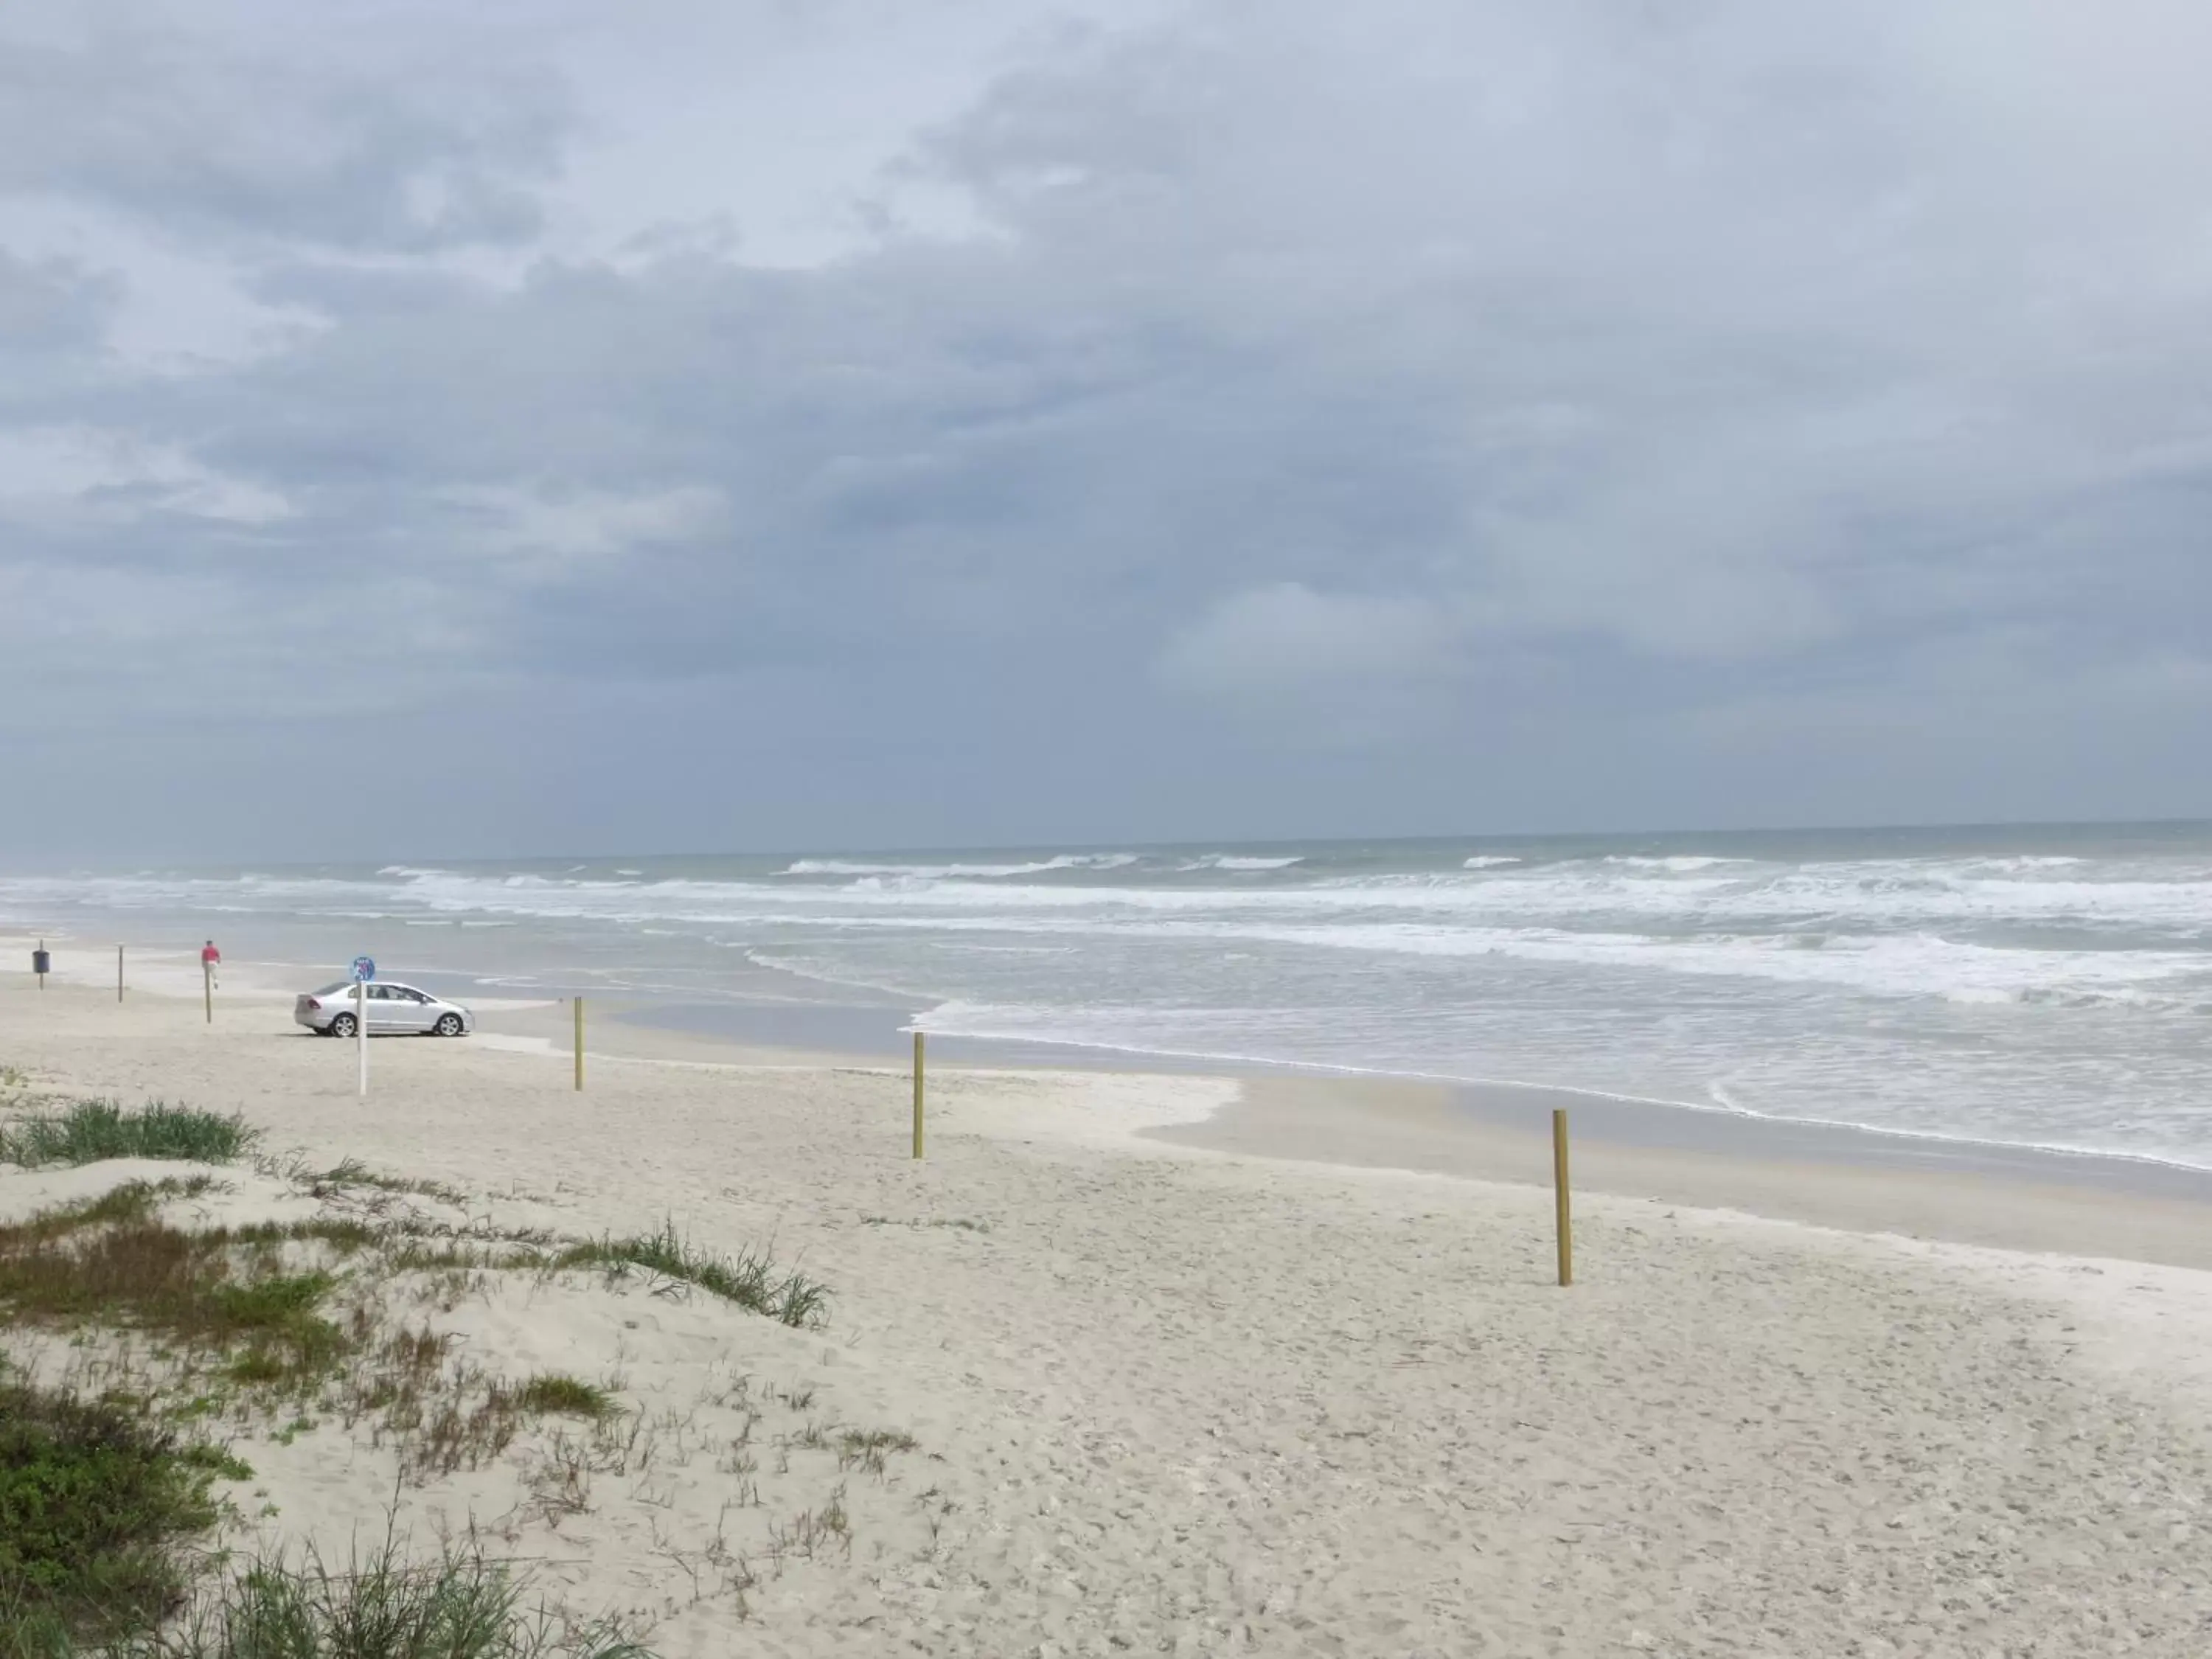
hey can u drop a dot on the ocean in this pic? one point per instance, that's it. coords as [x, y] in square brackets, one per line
[2047, 987]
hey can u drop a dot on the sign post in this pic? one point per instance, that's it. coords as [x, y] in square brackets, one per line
[364, 969]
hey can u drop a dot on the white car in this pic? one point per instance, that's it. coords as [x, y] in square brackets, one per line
[393, 1009]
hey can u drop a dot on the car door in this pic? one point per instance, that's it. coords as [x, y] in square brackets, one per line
[410, 1009]
[385, 1009]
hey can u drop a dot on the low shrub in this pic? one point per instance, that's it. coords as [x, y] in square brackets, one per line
[94, 1507]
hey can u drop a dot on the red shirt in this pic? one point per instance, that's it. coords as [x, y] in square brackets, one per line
[211, 954]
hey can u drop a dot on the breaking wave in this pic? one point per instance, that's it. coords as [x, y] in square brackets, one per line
[2044, 990]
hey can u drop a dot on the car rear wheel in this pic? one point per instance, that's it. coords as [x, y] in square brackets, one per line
[449, 1026]
[343, 1025]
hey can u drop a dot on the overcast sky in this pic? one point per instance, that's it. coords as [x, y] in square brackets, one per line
[727, 424]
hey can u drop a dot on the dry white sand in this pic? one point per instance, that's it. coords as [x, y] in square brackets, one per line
[1166, 1399]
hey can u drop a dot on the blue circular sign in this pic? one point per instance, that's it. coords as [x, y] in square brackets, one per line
[364, 968]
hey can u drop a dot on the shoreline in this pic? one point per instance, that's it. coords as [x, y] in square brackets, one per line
[1854, 1180]
[858, 1031]
[876, 1034]
[1867, 1181]
[1425, 1131]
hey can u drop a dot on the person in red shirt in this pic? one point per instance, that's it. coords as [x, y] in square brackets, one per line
[210, 961]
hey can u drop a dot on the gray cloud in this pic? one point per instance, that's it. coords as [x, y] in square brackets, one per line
[50, 309]
[1267, 638]
[1752, 413]
[275, 134]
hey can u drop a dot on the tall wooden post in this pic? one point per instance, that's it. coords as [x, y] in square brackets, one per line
[207, 989]
[119, 973]
[580, 1044]
[917, 1094]
[1566, 1223]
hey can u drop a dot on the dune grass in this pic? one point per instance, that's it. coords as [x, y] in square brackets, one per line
[104, 1513]
[870, 1448]
[749, 1278]
[95, 1508]
[552, 1395]
[132, 1201]
[91, 1130]
[102, 1518]
[110, 1262]
[351, 1172]
[458, 1606]
[99, 1519]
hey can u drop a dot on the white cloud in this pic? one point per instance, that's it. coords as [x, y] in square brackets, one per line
[58, 476]
[547, 530]
[1287, 635]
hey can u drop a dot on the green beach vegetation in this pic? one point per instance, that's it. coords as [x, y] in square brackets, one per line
[111, 1505]
[89, 1131]
[752, 1280]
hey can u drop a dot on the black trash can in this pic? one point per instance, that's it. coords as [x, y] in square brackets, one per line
[42, 963]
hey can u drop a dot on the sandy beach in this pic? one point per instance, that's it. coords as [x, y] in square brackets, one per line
[1190, 1365]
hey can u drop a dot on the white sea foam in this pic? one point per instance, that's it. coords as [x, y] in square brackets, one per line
[1682, 863]
[1866, 896]
[970, 947]
[2050, 998]
[941, 872]
[1909, 965]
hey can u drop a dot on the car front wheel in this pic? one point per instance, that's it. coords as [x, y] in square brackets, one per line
[343, 1026]
[449, 1026]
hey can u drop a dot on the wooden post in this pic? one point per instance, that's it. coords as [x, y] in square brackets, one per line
[579, 1045]
[207, 989]
[40, 957]
[917, 1094]
[119, 973]
[1560, 1183]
